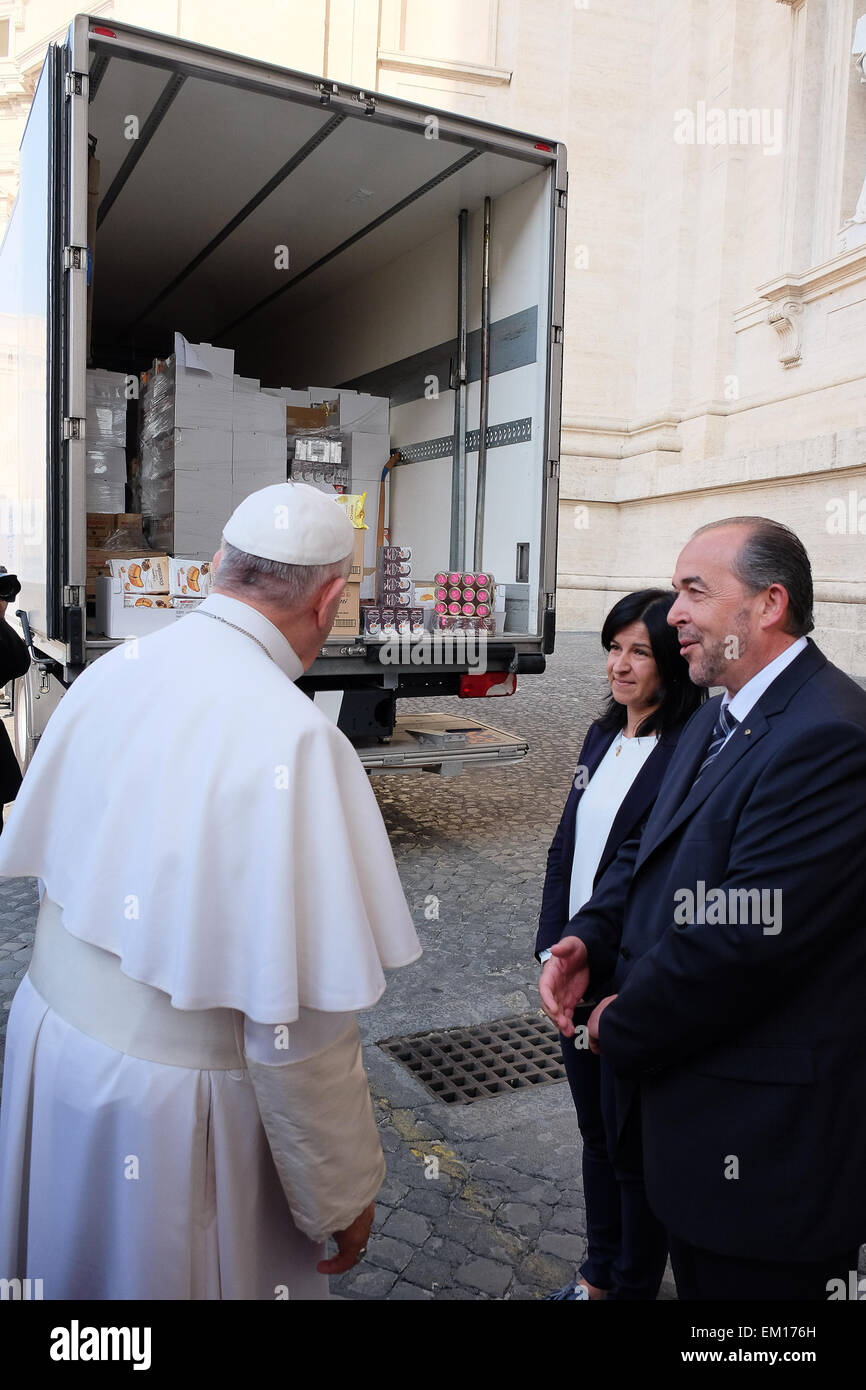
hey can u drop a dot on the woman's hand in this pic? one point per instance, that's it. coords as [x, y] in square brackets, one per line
[563, 982]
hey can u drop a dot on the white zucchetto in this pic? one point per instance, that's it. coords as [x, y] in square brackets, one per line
[292, 523]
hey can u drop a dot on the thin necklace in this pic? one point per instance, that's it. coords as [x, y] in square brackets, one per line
[622, 737]
[205, 613]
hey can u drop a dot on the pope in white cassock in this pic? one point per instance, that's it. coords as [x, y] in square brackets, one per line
[185, 1110]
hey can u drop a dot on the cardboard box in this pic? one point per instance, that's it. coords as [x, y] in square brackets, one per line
[189, 578]
[201, 495]
[254, 447]
[142, 574]
[98, 560]
[254, 410]
[363, 413]
[115, 620]
[321, 395]
[103, 523]
[290, 397]
[198, 449]
[202, 401]
[198, 537]
[219, 362]
[300, 419]
[348, 620]
[356, 573]
[146, 601]
[105, 477]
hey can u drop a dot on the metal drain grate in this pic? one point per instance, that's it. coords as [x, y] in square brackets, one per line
[461, 1065]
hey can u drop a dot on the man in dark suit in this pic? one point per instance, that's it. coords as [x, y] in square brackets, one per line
[734, 934]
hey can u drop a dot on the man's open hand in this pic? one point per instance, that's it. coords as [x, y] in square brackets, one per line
[563, 982]
[349, 1244]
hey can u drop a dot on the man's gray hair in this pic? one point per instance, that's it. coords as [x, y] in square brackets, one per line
[773, 554]
[285, 586]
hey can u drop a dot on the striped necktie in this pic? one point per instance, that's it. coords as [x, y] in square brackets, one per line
[724, 725]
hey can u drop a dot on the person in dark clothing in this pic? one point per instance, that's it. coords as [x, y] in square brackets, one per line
[14, 661]
[738, 1034]
[622, 762]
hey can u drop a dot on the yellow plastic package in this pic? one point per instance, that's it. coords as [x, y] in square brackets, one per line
[353, 503]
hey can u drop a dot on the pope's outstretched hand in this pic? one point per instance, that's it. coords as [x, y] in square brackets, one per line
[563, 982]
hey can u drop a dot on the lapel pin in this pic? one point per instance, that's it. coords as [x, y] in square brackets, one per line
[747, 731]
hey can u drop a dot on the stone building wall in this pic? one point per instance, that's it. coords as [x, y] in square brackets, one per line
[715, 307]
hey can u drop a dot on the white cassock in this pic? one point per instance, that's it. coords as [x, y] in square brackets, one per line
[185, 1111]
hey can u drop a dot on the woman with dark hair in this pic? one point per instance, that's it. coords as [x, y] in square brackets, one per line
[622, 762]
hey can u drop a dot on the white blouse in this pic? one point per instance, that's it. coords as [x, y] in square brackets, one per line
[598, 807]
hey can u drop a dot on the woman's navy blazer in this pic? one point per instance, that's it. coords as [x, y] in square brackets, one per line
[628, 822]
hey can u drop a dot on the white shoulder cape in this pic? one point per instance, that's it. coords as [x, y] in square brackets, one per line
[193, 812]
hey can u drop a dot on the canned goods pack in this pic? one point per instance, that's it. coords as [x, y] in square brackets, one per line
[394, 576]
[393, 622]
[464, 597]
[394, 554]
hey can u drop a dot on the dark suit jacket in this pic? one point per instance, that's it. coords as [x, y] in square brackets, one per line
[748, 1037]
[14, 661]
[553, 921]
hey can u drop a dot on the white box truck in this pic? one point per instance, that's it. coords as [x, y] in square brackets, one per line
[324, 234]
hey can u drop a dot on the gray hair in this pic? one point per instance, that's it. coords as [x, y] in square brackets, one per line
[773, 554]
[285, 586]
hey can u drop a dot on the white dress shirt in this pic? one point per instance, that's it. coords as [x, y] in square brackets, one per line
[597, 811]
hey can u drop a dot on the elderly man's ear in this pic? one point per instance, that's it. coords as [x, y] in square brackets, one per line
[216, 560]
[326, 603]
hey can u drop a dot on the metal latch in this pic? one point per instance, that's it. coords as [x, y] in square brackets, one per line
[75, 258]
[369, 103]
[72, 595]
[326, 90]
[553, 468]
[561, 197]
[556, 333]
[73, 427]
[550, 602]
[76, 84]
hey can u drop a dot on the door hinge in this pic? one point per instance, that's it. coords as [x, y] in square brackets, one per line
[550, 603]
[72, 595]
[556, 333]
[561, 198]
[73, 427]
[75, 258]
[553, 468]
[76, 84]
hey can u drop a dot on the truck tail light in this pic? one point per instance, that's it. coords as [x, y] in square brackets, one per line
[491, 683]
[99, 29]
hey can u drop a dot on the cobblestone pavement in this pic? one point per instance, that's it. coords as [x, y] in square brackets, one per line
[503, 1217]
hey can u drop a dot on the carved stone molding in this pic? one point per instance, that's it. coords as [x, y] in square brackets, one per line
[785, 317]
